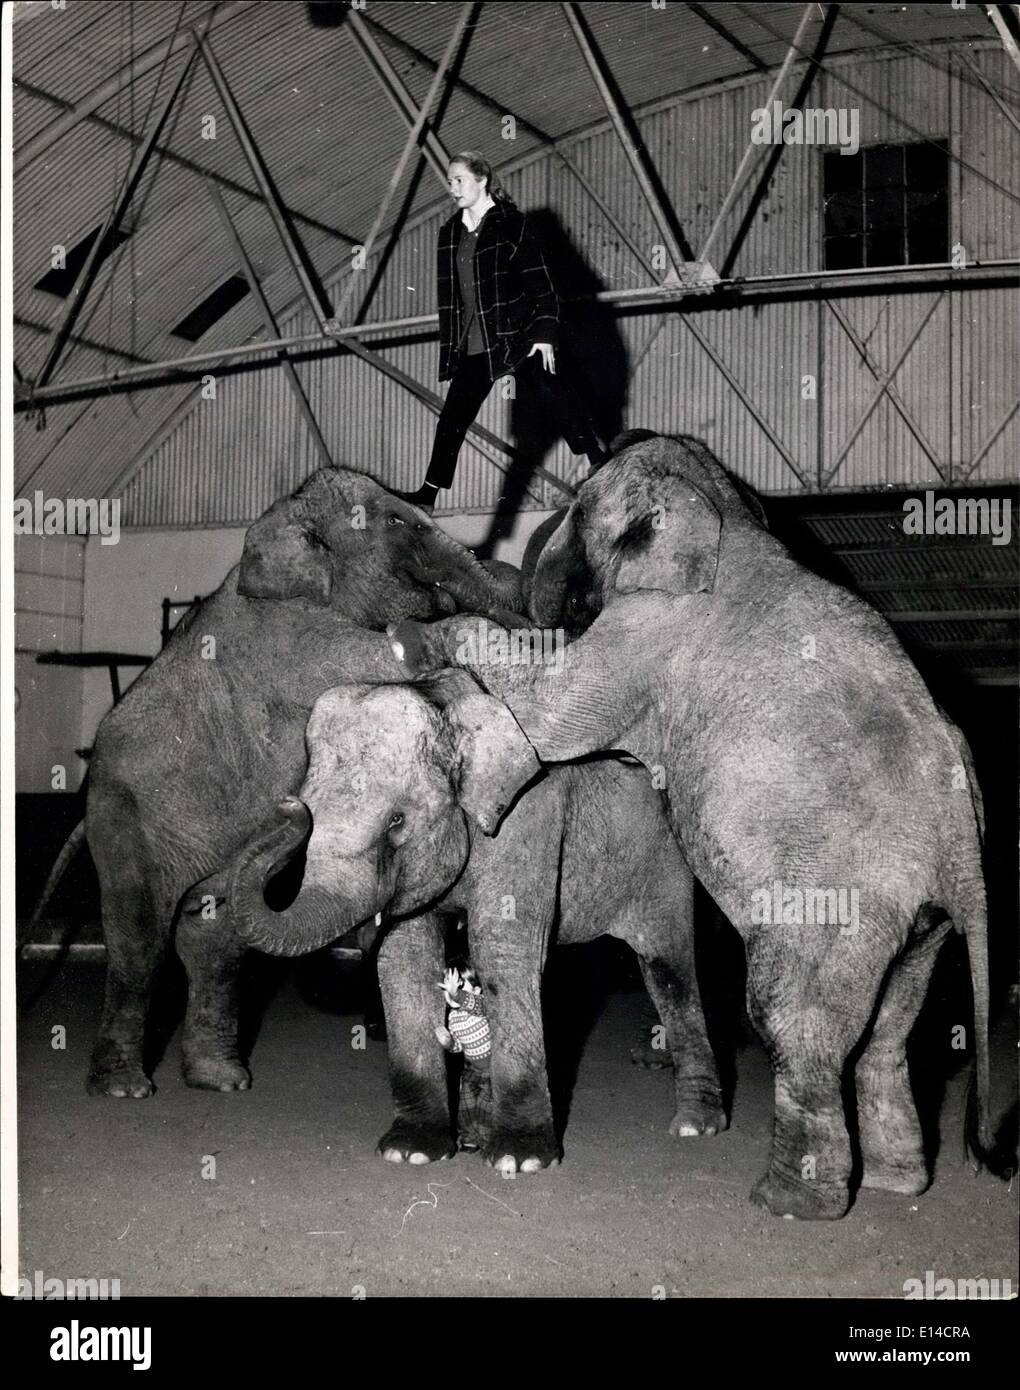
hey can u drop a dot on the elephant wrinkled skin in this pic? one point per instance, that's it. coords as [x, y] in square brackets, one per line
[818, 793]
[392, 772]
[213, 732]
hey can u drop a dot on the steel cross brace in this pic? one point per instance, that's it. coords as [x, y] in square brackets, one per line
[1008, 41]
[990, 441]
[90, 269]
[885, 380]
[314, 293]
[269, 318]
[894, 396]
[414, 132]
[663, 216]
[403, 101]
[753, 153]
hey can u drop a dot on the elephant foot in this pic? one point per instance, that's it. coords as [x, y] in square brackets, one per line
[123, 1082]
[908, 1179]
[805, 1200]
[521, 1151]
[209, 1073]
[695, 1117]
[408, 1142]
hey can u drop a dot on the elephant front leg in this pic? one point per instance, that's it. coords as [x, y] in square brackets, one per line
[673, 988]
[411, 961]
[892, 1147]
[513, 1123]
[212, 957]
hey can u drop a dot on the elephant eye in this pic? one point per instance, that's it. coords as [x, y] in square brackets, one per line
[315, 540]
[394, 520]
[396, 820]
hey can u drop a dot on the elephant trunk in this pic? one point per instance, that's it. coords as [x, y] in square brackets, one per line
[475, 588]
[312, 921]
[551, 584]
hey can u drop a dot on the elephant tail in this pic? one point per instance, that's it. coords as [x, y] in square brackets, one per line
[971, 919]
[70, 848]
[968, 907]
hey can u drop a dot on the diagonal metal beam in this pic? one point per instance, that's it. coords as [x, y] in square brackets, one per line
[753, 153]
[775, 154]
[883, 385]
[841, 79]
[990, 441]
[745, 399]
[501, 108]
[477, 433]
[144, 62]
[665, 218]
[298, 257]
[93, 261]
[546, 140]
[1008, 41]
[746, 53]
[251, 275]
[181, 412]
[181, 161]
[304, 269]
[895, 398]
[885, 36]
[79, 340]
[1014, 122]
[401, 98]
[410, 145]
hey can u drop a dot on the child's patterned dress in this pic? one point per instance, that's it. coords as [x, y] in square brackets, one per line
[470, 1029]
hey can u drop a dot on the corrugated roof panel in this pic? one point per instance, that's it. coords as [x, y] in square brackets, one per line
[520, 54]
[949, 600]
[959, 560]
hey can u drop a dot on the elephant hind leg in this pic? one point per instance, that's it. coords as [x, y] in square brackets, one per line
[673, 988]
[810, 1024]
[892, 1146]
[659, 927]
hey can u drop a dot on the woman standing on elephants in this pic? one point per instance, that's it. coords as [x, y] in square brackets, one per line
[498, 314]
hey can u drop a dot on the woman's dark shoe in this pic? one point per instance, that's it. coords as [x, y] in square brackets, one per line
[425, 497]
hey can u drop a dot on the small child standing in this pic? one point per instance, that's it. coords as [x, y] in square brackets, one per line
[467, 1028]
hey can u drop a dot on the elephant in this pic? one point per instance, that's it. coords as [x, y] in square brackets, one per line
[809, 777]
[213, 731]
[406, 794]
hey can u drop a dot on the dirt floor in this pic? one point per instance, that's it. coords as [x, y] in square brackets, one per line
[301, 1205]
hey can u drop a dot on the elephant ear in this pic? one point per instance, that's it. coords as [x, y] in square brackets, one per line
[494, 758]
[673, 546]
[284, 558]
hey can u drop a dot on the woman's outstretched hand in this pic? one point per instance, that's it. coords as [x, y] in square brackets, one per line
[548, 356]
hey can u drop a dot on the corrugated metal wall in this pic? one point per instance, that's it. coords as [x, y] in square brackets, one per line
[48, 601]
[231, 457]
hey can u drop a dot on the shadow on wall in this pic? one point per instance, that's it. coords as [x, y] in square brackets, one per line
[592, 356]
